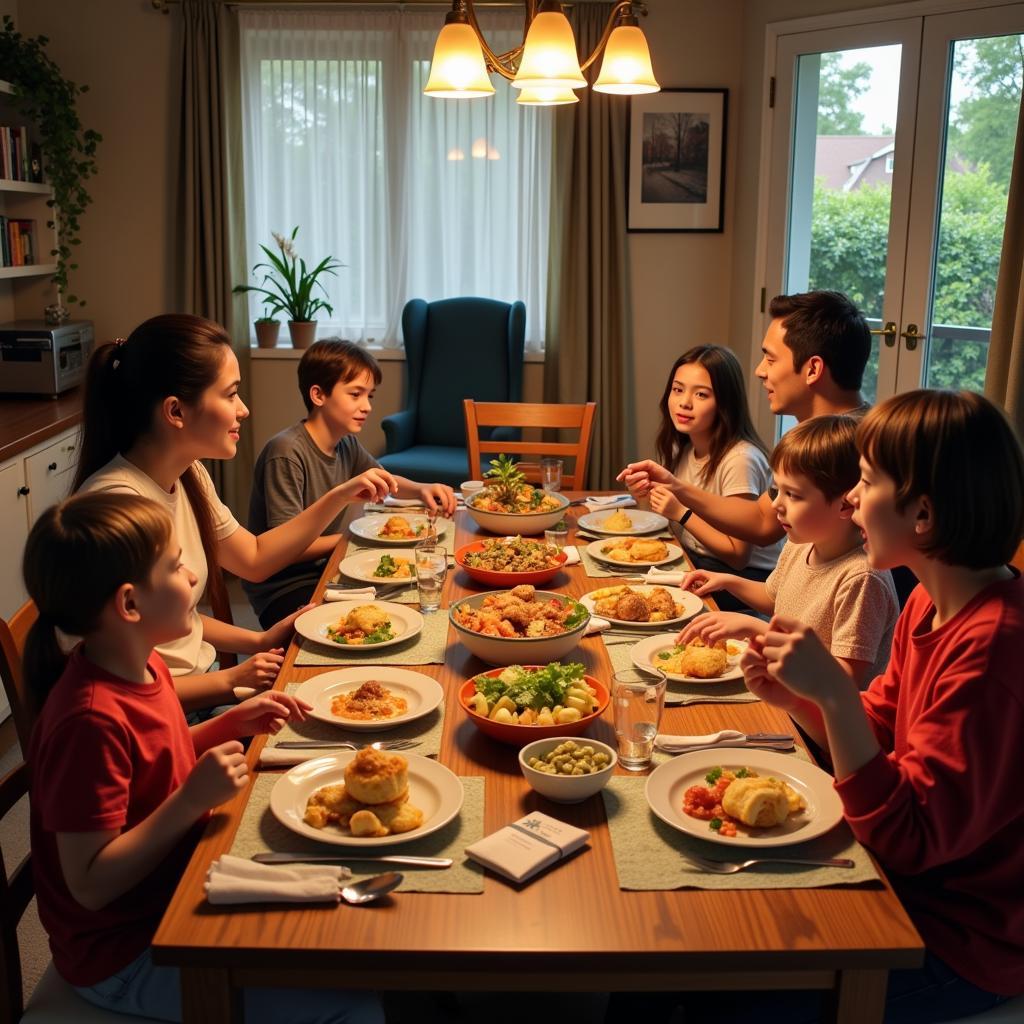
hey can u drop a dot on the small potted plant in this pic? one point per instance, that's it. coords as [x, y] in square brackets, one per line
[288, 286]
[267, 329]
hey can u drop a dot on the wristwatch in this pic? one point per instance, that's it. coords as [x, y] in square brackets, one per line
[685, 516]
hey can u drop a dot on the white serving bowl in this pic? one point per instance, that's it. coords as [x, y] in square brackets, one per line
[566, 789]
[501, 650]
[523, 524]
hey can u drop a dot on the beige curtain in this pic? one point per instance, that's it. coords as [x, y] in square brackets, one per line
[1004, 378]
[589, 336]
[212, 236]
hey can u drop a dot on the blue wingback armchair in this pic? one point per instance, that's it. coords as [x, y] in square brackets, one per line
[454, 349]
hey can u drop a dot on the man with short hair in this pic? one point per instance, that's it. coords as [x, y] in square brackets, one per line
[813, 358]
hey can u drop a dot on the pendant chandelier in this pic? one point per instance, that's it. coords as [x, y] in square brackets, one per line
[545, 67]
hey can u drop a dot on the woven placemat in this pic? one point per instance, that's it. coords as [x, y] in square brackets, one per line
[651, 855]
[260, 832]
[425, 649]
[733, 691]
[426, 730]
[596, 569]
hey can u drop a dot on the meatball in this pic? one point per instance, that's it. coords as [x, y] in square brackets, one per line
[632, 608]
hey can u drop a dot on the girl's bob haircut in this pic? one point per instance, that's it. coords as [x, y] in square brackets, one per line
[959, 450]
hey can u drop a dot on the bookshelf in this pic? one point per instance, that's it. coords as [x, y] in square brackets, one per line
[25, 289]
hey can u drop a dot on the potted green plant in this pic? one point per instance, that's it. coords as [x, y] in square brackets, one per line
[267, 329]
[288, 287]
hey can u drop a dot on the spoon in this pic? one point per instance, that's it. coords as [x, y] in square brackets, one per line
[370, 889]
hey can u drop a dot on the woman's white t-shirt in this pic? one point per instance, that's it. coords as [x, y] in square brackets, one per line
[191, 654]
[743, 470]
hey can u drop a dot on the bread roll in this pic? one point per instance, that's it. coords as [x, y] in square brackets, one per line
[375, 777]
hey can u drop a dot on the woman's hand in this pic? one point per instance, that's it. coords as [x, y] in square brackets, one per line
[439, 498]
[701, 582]
[259, 671]
[666, 503]
[714, 626]
[216, 777]
[639, 477]
[373, 485]
[266, 712]
[795, 656]
[277, 637]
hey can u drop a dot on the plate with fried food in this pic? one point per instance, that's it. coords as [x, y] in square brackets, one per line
[624, 522]
[366, 798]
[370, 699]
[397, 529]
[634, 551]
[359, 625]
[643, 606]
[766, 799]
[694, 662]
[379, 565]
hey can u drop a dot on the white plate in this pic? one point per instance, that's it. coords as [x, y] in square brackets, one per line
[421, 693]
[667, 784]
[643, 522]
[643, 653]
[369, 527]
[692, 605]
[360, 566]
[594, 550]
[406, 622]
[434, 789]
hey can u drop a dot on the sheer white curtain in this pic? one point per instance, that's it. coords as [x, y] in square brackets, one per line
[418, 197]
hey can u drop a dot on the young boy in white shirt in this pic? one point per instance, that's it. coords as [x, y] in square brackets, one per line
[337, 381]
[823, 577]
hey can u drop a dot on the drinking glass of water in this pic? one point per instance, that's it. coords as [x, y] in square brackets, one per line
[551, 474]
[637, 703]
[431, 567]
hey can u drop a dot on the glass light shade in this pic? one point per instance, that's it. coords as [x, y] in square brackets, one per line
[549, 55]
[458, 71]
[532, 97]
[626, 68]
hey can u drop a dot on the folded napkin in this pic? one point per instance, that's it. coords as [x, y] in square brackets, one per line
[666, 577]
[572, 554]
[527, 846]
[236, 880]
[275, 757]
[726, 738]
[355, 594]
[598, 504]
[596, 625]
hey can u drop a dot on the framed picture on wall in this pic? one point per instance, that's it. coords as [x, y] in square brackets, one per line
[675, 166]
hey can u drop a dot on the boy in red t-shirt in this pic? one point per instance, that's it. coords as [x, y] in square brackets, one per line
[120, 785]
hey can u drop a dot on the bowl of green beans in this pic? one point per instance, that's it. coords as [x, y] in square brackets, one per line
[567, 769]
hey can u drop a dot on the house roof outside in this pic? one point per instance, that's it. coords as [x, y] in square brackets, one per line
[848, 162]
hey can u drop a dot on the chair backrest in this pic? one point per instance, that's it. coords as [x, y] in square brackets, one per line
[16, 891]
[456, 348]
[12, 648]
[532, 414]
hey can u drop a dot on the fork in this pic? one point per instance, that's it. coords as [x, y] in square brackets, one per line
[730, 867]
[683, 702]
[346, 744]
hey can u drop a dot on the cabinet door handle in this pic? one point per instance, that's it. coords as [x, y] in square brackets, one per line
[23, 491]
[52, 467]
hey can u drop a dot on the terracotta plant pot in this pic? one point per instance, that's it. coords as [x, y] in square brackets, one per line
[266, 333]
[303, 332]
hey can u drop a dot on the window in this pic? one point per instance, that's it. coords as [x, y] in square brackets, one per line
[418, 197]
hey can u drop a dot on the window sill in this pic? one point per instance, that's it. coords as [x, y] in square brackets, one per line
[384, 355]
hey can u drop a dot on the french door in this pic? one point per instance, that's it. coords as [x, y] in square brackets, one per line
[890, 153]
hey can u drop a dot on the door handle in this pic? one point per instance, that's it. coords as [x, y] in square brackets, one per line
[912, 336]
[888, 333]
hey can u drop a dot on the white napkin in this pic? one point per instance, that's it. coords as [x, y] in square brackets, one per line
[572, 554]
[679, 744]
[666, 577]
[596, 625]
[528, 845]
[275, 757]
[236, 880]
[599, 504]
[356, 594]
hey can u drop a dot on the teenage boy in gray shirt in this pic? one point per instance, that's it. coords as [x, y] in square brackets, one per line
[337, 381]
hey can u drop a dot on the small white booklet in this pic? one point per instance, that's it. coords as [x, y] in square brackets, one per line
[528, 845]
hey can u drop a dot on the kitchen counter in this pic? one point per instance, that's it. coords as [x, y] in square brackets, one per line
[25, 422]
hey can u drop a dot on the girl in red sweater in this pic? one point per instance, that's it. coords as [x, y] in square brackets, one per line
[121, 786]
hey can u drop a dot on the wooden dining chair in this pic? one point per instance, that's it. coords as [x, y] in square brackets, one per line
[524, 415]
[12, 647]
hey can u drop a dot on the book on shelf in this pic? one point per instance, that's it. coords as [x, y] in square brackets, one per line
[17, 242]
[17, 155]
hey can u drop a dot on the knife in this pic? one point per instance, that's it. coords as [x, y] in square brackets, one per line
[724, 736]
[782, 746]
[341, 858]
[333, 744]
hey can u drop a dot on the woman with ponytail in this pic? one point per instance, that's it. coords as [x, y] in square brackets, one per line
[155, 404]
[121, 786]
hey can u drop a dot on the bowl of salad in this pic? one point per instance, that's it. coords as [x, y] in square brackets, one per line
[522, 703]
[509, 505]
[509, 561]
[519, 626]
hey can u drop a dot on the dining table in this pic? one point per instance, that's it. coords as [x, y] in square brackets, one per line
[572, 928]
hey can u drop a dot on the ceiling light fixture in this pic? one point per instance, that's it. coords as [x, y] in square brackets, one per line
[545, 67]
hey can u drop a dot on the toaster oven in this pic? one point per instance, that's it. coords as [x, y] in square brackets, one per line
[37, 358]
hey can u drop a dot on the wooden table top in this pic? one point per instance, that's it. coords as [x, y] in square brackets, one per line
[572, 928]
[25, 421]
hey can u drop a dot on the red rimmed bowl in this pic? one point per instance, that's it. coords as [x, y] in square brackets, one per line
[519, 735]
[500, 578]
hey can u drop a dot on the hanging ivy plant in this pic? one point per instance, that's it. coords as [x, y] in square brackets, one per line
[48, 99]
